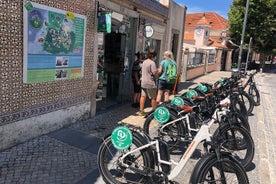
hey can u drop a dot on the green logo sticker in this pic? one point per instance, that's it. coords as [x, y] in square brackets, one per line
[28, 6]
[221, 81]
[121, 138]
[202, 88]
[191, 93]
[162, 114]
[177, 101]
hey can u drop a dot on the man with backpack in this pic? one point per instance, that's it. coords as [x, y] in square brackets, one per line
[167, 78]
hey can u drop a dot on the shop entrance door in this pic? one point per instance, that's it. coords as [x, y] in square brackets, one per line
[114, 52]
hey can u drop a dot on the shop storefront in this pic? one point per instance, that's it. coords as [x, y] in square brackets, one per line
[136, 26]
[114, 59]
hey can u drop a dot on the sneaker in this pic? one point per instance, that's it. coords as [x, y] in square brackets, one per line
[141, 113]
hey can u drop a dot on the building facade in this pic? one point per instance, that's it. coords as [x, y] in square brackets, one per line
[137, 26]
[51, 50]
[205, 50]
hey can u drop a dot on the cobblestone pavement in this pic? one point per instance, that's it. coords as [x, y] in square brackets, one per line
[68, 155]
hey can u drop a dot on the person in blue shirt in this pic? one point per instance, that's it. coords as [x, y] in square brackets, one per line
[163, 86]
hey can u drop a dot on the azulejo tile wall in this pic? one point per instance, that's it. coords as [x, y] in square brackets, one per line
[20, 100]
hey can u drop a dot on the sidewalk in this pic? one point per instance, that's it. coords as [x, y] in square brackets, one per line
[69, 155]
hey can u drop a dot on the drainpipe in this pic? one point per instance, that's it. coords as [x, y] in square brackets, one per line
[184, 54]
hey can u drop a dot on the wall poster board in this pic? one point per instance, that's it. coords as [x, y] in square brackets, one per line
[54, 43]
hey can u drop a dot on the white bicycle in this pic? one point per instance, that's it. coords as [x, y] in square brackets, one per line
[148, 160]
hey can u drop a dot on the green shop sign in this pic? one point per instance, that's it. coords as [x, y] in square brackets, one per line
[104, 22]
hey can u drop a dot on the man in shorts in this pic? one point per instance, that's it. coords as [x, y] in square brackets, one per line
[149, 88]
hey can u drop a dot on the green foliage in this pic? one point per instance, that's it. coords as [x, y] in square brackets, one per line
[261, 24]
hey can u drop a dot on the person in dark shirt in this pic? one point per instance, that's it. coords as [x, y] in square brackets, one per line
[136, 79]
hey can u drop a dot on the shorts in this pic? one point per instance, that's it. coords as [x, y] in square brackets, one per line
[151, 93]
[136, 88]
[163, 85]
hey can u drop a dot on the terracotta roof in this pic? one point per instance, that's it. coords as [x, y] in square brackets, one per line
[189, 35]
[203, 20]
[215, 43]
[216, 22]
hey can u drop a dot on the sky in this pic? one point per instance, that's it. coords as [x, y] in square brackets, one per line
[221, 7]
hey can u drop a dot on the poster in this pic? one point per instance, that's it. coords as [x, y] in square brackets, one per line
[54, 43]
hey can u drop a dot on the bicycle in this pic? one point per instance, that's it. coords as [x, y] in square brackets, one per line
[234, 83]
[183, 125]
[144, 162]
[253, 90]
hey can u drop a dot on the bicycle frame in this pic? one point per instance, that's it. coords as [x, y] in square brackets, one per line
[250, 80]
[202, 134]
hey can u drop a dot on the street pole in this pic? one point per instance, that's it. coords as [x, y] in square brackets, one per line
[243, 32]
[248, 53]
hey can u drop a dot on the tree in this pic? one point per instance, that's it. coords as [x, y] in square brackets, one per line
[261, 24]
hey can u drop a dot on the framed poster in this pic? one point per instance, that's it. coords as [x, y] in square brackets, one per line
[54, 43]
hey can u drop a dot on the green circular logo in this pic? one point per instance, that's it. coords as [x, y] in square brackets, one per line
[177, 101]
[191, 93]
[162, 114]
[121, 138]
[221, 81]
[202, 88]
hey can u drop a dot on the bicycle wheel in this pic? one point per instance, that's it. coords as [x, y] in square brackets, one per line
[139, 162]
[210, 169]
[171, 134]
[239, 107]
[254, 93]
[238, 141]
[248, 102]
[238, 118]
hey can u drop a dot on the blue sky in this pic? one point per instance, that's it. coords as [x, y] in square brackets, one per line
[221, 7]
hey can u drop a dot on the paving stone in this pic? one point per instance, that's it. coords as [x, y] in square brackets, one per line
[69, 155]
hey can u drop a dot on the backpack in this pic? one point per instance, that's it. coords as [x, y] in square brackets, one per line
[171, 73]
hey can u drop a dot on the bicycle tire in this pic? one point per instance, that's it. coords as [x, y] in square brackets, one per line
[255, 94]
[248, 101]
[238, 141]
[240, 108]
[113, 173]
[207, 170]
[172, 133]
[240, 119]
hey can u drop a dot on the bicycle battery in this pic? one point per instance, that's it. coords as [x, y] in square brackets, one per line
[165, 155]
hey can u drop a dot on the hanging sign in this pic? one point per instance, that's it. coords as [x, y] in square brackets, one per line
[104, 22]
[148, 31]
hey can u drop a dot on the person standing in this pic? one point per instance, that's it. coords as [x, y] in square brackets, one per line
[148, 85]
[136, 79]
[163, 86]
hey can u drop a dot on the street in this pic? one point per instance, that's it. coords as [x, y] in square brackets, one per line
[69, 154]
